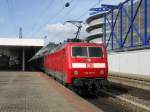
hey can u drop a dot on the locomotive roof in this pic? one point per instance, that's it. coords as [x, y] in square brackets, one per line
[61, 46]
[54, 48]
[84, 43]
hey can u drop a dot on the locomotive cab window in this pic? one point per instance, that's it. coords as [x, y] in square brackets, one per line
[95, 52]
[79, 51]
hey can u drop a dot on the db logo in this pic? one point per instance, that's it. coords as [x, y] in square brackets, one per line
[89, 65]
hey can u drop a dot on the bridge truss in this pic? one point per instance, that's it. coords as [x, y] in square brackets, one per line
[127, 25]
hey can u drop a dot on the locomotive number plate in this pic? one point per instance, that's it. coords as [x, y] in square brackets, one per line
[89, 65]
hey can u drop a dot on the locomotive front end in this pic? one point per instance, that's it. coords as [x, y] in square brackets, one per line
[88, 64]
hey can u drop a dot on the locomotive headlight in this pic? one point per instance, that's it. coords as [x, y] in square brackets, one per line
[76, 72]
[102, 72]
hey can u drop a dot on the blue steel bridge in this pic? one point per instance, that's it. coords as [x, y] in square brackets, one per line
[129, 25]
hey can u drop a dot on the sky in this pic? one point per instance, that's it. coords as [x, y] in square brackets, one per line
[40, 18]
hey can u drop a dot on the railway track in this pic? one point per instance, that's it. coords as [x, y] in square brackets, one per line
[141, 82]
[135, 101]
[116, 97]
[111, 100]
[122, 97]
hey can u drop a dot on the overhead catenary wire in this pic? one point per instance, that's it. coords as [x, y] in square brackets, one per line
[69, 12]
[9, 7]
[41, 26]
[84, 13]
[47, 8]
[43, 14]
[11, 11]
[59, 12]
[67, 1]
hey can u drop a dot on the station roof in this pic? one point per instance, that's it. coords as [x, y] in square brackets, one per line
[21, 42]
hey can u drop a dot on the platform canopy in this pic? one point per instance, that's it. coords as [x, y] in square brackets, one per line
[21, 42]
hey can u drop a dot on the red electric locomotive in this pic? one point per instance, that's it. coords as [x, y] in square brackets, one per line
[78, 63]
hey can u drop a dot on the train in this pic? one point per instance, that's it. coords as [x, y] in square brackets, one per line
[82, 65]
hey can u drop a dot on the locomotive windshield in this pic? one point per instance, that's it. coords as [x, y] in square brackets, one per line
[79, 51]
[87, 52]
[95, 52]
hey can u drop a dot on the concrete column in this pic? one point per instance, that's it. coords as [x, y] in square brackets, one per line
[23, 59]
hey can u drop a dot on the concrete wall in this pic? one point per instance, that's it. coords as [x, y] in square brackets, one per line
[132, 62]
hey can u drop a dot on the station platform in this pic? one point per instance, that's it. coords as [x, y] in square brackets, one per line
[37, 92]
